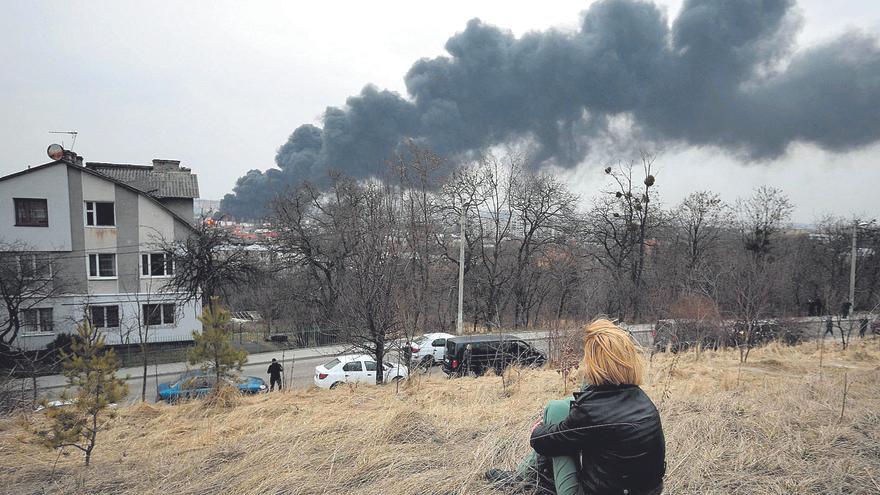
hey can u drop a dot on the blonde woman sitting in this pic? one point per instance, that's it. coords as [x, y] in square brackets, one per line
[607, 439]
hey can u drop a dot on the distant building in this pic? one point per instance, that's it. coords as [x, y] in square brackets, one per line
[205, 208]
[101, 225]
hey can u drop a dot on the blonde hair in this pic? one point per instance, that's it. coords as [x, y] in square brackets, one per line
[610, 355]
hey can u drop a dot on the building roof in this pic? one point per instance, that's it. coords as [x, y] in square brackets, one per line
[176, 183]
[65, 161]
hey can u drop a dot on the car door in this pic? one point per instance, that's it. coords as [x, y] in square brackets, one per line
[353, 371]
[369, 372]
[438, 348]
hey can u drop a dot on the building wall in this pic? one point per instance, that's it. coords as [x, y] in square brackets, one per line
[128, 240]
[100, 239]
[49, 183]
[69, 310]
[141, 227]
[156, 227]
[183, 207]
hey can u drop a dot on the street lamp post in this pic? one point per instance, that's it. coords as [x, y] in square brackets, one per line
[459, 325]
[852, 269]
[852, 265]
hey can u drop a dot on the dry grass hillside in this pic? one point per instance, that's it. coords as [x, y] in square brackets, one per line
[773, 426]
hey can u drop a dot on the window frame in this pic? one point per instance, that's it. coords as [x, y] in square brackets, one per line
[146, 263]
[359, 364]
[18, 205]
[164, 314]
[104, 308]
[98, 275]
[94, 213]
[34, 259]
[40, 321]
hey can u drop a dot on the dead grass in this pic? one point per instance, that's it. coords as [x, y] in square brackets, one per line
[769, 427]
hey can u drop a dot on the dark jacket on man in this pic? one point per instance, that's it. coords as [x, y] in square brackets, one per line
[275, 370]
[616, 432]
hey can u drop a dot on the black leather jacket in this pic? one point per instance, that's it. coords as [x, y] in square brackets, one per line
[616, 431]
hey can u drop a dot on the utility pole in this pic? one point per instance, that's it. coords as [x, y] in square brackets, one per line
[852, 269]
[459, 326]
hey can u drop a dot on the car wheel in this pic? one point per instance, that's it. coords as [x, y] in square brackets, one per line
[335, 384]
[396, 379]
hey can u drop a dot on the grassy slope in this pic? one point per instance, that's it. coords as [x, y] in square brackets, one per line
[770, 428]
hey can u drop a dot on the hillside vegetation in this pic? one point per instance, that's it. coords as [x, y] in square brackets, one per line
[772, 426]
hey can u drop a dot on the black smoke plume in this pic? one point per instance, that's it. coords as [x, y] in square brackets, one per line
[724, 74]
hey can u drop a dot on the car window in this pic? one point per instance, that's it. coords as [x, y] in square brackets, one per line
[353, 366]
[331, 364]
[371, 365]
[439, 343]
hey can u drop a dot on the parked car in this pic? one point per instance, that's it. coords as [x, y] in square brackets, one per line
[192, 384]
[427, 350]
[355, 368]
[495, 352]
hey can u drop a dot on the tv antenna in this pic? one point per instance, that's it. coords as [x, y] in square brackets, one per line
[69, 133]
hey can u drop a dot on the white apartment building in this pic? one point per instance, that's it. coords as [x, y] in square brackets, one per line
[101, 225]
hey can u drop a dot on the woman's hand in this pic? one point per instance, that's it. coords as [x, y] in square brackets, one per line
[537, 424]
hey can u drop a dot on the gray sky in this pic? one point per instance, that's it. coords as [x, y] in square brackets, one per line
[221, 85]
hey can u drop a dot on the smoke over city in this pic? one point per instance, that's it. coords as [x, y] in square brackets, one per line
[723, 73]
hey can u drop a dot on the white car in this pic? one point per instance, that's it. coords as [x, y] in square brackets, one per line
[355, 368]
[429, 349]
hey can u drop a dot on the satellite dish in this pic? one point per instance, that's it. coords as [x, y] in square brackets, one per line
[55, 151]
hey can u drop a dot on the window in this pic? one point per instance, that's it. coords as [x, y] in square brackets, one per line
[34, 267]
[156, 265]
[30, 212]
[102, 265]
[105, 316]
[331, 364]
[371, 365]
[438, 343]
[100, 214]
[37, 320]
[353, 366]
[158, 314]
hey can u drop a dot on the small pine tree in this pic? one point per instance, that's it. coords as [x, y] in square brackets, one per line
[91, 369]
[213, 348]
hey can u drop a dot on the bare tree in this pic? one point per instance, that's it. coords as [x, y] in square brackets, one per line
[701, 219]
[543, 207]
[369, 313]
[319, 231]
[207, 263]
[619, 225]
[761, 217]
[27, 279]
[749, 285]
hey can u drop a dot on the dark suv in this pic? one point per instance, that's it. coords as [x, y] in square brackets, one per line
[495, 352]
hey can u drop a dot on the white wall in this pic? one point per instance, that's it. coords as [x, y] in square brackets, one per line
[155, 226]
[49, 183]
[68, 311]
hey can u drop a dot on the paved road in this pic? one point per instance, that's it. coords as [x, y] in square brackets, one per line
[299, 365]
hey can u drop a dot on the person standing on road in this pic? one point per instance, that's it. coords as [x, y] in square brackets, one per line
[274, 371]
[829, 327]
[466, 360]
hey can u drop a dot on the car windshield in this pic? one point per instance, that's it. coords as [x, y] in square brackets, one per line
[331, 364]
